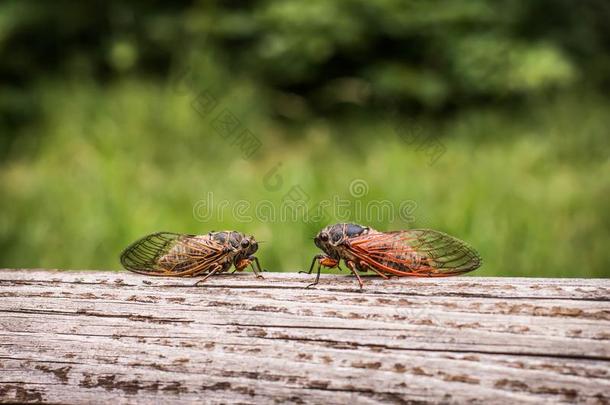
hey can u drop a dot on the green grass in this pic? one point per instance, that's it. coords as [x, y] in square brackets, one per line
[527, 188]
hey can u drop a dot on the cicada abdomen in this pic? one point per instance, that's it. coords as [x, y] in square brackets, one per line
[415, 252]
[182, 255]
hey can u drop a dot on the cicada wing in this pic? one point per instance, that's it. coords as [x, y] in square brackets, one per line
[415, 252]
[171, 254]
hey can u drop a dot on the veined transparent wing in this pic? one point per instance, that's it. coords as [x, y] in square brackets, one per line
[172, 254]
[415, 252]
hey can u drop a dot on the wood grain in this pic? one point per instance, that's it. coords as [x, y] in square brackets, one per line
[97, 337]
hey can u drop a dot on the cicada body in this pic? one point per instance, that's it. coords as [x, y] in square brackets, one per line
[414, 252]
[181, 255]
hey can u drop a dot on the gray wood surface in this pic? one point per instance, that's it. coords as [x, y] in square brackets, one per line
[104, 337]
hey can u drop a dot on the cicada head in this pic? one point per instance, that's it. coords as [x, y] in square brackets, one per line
[238, 242]
[333, 235]
[248, 245]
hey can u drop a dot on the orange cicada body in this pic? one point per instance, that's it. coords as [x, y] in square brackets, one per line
[414, 252]
[181, 255]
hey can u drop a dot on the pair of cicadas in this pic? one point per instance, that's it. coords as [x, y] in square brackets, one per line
[415, 252]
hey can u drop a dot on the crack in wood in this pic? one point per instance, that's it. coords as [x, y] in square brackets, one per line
[84, 312]
[419, 349]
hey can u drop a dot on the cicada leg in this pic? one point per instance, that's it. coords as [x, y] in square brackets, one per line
[260, 268]
[365, 266]
[250, 261]
[322, 261]
[215, 270]
[352, 266]
[313, 262]
[254, 260]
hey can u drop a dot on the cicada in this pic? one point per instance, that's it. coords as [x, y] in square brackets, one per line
[182, 255]
[414, 252]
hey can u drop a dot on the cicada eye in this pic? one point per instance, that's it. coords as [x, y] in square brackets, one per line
[245, 243]
[324, 237]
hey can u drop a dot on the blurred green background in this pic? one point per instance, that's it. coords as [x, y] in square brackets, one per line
[490, 118]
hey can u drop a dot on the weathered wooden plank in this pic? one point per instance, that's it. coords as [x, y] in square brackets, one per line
[83, 337]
